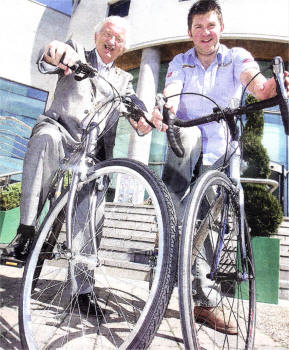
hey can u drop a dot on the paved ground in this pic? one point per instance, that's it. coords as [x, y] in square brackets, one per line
[272, 320]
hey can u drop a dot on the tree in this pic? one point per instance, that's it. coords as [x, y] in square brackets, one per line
[263, 211]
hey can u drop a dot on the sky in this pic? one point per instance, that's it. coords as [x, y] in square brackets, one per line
[60, 5]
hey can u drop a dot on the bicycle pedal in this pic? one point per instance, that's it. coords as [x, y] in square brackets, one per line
[12, 262]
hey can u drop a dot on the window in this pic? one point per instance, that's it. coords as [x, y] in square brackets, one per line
[119, 8]
[24, 103]
[21, 101]
[159, 140]
[64, 6]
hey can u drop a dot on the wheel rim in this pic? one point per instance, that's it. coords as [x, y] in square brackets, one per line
[237, 299]
[126, 302]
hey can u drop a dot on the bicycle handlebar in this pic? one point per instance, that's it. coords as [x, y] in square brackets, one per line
[133, 111]
[280, 99]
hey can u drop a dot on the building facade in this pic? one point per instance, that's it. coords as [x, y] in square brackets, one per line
[159, 32]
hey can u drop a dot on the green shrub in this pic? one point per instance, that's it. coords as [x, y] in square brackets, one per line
[10, 196]
[263, 211]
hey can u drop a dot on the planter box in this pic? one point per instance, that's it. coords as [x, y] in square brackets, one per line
[266, 253]
[9, 222]
[267, 267]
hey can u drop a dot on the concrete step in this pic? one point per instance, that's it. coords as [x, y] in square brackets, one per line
[284, 260]
[130, 251]
[284, 250]
[283, 235]
[284, 289]
[128, 234]
[284, 272]
[126, 269]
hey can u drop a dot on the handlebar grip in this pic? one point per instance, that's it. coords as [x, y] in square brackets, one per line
[173, 137]
[278, 71]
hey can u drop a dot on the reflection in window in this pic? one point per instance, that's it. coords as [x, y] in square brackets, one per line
[274, 130]
[64, 6]
[119, 8]
[26, 104]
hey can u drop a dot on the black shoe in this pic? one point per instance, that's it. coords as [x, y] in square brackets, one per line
[20, 247]
[87, 305]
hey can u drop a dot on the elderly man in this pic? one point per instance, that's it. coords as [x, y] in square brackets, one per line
[60, 128]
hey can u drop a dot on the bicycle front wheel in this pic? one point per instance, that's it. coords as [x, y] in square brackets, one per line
[124, 250]
[210, 271]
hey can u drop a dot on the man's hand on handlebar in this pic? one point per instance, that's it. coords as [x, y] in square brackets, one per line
[61, 55]
[144, 128]
[157, 120]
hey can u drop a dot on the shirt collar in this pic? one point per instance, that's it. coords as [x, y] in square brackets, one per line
[221, 53]
[101, 64]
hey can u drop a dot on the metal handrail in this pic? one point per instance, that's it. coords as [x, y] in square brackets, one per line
[273, 183]
[20, 122]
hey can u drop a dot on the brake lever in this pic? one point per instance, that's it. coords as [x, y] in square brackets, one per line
[78, 68]
[169, 118]
[134, 111]
[278, 72]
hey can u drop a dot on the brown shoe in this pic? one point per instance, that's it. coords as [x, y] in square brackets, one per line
[215, 318]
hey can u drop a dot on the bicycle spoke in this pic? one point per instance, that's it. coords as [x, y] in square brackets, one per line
[112, 243]
[211, 245]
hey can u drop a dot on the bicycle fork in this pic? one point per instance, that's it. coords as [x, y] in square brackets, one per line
[240, 275]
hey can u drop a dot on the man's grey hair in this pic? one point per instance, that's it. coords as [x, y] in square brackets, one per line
[119, 21]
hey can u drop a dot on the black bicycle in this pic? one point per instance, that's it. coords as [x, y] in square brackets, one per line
[99, 234]
[216, 235]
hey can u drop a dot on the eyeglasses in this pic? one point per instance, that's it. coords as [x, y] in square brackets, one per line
[108, 35]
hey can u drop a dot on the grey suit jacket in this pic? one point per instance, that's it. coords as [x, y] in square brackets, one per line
[74, 100]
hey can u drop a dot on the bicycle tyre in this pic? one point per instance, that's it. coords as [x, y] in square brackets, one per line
[198, 229]
[46, 318]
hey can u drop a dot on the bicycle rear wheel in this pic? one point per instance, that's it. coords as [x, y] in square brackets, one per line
[117, 272]
[210, 257]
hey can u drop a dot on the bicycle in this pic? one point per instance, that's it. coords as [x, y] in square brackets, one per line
[215, 220]
[103, 201]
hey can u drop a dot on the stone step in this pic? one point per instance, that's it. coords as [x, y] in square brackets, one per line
[284, 289]
[130, 208]
[129, 216]
[282, 235]
[284, 261]
[284, 250]
[284, 270]
[125, 234]
[126, 269]
[284, 294]
[131, 225]
[284, 284]
[125, 245]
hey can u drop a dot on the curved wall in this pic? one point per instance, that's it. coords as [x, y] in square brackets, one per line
[156, 22]
[25, 27]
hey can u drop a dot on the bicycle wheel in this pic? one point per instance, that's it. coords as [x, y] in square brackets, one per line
[210, 272]
[117, 271]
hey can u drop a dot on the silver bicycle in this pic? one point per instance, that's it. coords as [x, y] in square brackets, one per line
[100, 234]
[216, 235]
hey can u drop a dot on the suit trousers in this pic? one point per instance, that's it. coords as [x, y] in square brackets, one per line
[177, 176]
[47, 147]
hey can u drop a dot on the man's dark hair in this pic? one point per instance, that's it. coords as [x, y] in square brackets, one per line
[201, 7]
